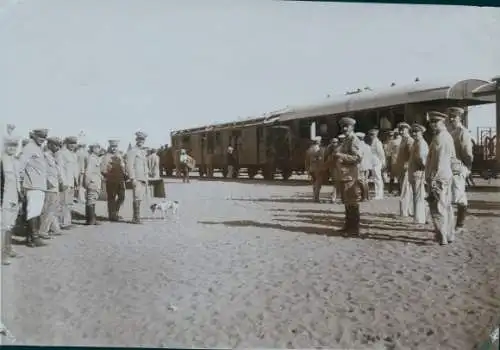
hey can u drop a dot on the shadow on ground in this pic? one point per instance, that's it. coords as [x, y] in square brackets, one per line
[324, 231]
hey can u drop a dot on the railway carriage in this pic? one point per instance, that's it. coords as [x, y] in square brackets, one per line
[277, 143]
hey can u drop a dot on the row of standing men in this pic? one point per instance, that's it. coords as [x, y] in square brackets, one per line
[41, 184]
[430, 177]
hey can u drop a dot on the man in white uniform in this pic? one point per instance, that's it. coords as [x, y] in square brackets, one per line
[416, 172]
[379, 159]
[406, 196]
[364, 166]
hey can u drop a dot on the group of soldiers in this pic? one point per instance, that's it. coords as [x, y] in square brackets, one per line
[43, 178]
[429, 176]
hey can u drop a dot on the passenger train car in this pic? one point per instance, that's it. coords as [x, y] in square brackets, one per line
[276, 143]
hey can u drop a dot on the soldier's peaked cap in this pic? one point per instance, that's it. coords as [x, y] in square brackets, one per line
[391, 132]
[335, 139]
[435, 116]
[360, 134]
[455, 111]
[40, 132]
[347, 121]
[418, 127]
[341, 136]
[403, 125]
[54, 140]
[373, 132]
[72, 140]
[113, 142]
[317, 139]
[141, 135]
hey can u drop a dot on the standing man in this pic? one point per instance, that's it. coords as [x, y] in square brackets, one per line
[463, 165]
[364, 166]
[393, 147]
[71, 174]
[10, 194]
[406, 197]
[316, 167]
[55, 184]
[184, 166]
[113, 171]
[438, 174]
[82, 155]
[33, 169]
[416, 172]
[154, 164]
[379, 159]
[137, 170]
[92, 182]
[232, 162]
[349, 157]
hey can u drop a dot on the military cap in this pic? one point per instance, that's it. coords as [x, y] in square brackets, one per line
[141, 135]
[40, 132]
[113, 142]
[72, 140]
[436, 116]
[418, 127]
[373, 132]
[54, 140]
[360, 134]
[403, 125]
[347, 121]
[10, 141]
[317, 139]
[391, 132]
[334, 140]
[341, 136]
[94, 145]
[455, 111]
[24, 142]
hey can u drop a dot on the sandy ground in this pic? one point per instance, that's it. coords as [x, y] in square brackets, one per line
[254, 265]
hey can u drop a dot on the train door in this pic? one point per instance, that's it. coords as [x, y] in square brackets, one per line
[248, 145]
[261, 145]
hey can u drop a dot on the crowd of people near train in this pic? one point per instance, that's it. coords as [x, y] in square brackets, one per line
[44, 176]
[425, 176]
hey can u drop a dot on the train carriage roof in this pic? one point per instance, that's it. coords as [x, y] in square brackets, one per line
[418, 92]
[230, 125]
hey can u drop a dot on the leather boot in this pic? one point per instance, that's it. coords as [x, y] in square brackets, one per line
[112, 210]
[88, 215]
[461, 214]
[93, 218]
[355, 219]
[347, 220]
[33, 239]
[136, 212]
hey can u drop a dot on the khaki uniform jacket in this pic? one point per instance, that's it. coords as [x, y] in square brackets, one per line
[393, 150]
[92, 176]
[350, 155]
[315, 159]
[113, 167]
[154, 166]
[137, 165]
[33, 167]
[463, 145]
[418, 157]
[55, 176]
[441, 154]
[378, 153]
[403, 155]
[70, 166]
[11, 181]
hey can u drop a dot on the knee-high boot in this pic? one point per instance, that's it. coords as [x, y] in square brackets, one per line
[461, 214]
[136, 212]
[32, 239]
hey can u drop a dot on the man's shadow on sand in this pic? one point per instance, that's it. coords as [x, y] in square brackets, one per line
[331, 224]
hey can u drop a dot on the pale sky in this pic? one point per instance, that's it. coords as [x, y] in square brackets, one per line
[111, 67]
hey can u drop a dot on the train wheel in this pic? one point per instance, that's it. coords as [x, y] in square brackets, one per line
[252, 172]
[286, 173]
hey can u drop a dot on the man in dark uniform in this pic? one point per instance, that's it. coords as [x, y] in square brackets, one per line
[113, 170]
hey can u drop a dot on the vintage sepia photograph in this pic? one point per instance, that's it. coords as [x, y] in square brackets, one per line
[249, 174]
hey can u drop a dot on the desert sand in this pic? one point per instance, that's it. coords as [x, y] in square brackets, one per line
[260, 266]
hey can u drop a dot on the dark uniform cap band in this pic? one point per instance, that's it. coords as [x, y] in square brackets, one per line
[71, 140]
[113, 142]
[455, 111]
[418, 127]
[373, 132]
[10, 141]
[434, 115]
[347, 121]
[141, 135]
[403, 125]
[54, 140]
[40, 132]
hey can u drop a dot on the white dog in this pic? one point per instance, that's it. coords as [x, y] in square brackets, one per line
[164, 207]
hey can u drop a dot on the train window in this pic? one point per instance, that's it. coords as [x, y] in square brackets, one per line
[304, 129]
[217, 139]
[186, 140]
